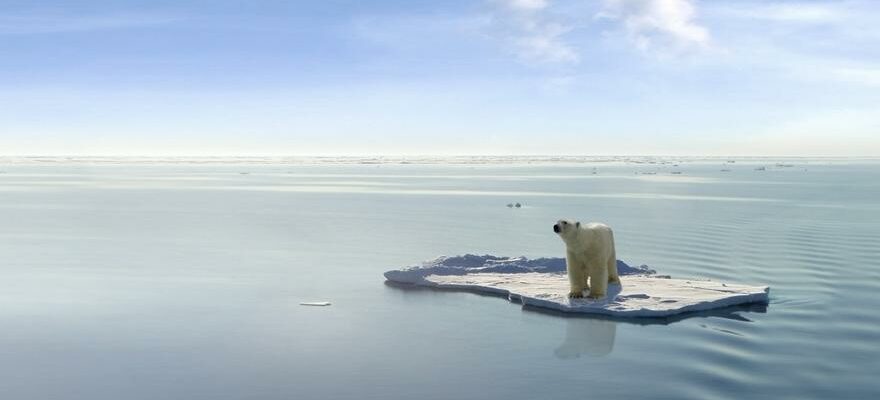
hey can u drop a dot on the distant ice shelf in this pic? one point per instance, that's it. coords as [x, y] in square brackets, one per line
[542, 283]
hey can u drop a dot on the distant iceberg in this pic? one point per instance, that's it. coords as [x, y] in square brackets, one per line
[542, 283]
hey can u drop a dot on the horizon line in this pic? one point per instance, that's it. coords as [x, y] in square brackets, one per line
[435, 156]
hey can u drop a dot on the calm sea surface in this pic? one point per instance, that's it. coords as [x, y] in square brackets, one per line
[184, 281]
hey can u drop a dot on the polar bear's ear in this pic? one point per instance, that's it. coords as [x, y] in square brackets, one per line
[578, 224]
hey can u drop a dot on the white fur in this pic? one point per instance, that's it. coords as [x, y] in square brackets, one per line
[590, 257]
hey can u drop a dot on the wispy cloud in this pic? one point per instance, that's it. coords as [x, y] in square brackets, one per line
[850, 131]
[414, 32]
[825, 42]
[526, 4]
[535, 36]
[803, 12]
[658, 25]
[23, 24]
[868, 76]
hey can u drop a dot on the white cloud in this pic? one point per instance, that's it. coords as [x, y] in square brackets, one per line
[658, 25]
[535, 36]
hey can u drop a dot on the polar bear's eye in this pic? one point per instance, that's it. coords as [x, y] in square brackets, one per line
[564, 222]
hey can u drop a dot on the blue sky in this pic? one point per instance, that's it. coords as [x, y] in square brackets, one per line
[332, 77]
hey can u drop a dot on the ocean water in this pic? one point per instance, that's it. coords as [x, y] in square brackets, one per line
[183, 280]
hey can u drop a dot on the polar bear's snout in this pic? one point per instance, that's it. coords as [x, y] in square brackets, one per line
[563, 227]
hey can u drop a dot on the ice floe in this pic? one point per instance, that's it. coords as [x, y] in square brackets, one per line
[542, 282]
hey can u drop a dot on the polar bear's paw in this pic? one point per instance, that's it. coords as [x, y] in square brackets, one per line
[576, 295]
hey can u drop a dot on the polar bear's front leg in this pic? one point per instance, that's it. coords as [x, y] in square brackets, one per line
[586, 278]
[577, 276]
[599, 278]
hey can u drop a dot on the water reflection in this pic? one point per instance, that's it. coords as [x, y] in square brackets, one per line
[587, 336]
[594, 336]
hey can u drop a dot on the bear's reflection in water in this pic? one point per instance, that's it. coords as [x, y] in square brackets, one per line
[586, 336]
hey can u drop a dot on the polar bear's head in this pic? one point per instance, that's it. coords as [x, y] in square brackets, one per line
[566, 228]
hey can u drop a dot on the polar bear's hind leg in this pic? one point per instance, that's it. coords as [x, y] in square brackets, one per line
[612, 262]
[612, 269]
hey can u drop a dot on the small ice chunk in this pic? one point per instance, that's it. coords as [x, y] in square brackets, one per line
[315, 303]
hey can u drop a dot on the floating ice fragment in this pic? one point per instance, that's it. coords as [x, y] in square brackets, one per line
[542, 283]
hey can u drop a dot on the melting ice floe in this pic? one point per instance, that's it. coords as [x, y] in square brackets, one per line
[542, 283]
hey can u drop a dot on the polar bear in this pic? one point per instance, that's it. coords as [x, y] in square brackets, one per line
[589, 257]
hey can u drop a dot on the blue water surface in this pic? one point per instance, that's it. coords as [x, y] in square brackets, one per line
[183, 281]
